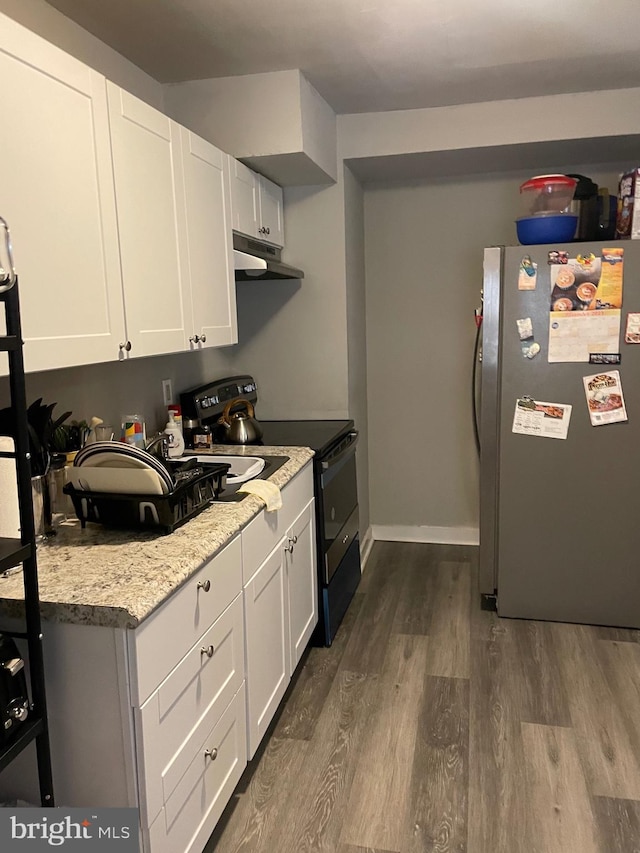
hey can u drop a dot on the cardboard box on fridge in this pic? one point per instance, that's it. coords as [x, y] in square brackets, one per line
[628, 218]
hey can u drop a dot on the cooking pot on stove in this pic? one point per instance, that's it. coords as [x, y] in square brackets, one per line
[240, 426]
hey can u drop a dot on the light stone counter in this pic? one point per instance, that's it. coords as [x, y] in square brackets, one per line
[102, 576]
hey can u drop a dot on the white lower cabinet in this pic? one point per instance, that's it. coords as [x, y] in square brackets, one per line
[280, 599]
[172, 711]
[192, 811]
[173, 723]
[267, 642]
[302, 585]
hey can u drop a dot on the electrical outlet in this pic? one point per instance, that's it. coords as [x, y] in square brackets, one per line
[167, 392]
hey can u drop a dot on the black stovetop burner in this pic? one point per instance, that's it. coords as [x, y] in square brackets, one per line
[318, 435]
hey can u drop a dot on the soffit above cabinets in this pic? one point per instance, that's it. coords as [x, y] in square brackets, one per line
[367, 56]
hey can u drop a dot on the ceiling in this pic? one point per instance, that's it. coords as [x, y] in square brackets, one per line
[365, 55]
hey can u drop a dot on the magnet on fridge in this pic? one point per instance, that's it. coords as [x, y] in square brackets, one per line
[527, 274]
[604, 358]
[632, 331]
[530, 348]
[525, 328]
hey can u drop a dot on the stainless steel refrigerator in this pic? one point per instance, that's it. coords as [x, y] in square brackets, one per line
[559, 517]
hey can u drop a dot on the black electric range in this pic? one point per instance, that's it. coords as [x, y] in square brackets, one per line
[335, 488]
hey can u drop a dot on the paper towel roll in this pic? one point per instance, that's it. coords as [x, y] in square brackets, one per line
[9, 511]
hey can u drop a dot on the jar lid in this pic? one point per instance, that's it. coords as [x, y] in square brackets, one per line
[542, 181]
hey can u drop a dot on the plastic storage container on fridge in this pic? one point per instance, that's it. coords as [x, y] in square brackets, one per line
[546, 194]
[546, 228]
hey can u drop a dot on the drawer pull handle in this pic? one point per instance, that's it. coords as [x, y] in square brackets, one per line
[211, 753]
[208, 651]
[204, 585]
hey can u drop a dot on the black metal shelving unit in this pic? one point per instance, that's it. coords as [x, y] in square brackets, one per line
[14, 552]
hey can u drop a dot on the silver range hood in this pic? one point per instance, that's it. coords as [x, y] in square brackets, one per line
[256, 261]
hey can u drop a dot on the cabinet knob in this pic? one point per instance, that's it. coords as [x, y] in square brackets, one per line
[126, 346]
[208, 651]
[267, 230]
[204, 585]
[289, 547]
[211, 753]
[203, 338]
[195, 339]
[295, 539]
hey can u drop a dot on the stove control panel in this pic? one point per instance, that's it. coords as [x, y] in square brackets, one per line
[206, 402]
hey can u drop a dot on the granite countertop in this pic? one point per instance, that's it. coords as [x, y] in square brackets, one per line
[116, 578]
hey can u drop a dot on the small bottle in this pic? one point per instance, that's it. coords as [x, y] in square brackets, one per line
[176, 408]
[202, 438]
[174, 434]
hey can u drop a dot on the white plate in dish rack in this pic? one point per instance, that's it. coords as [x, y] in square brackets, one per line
[117, 455]
[124, 481]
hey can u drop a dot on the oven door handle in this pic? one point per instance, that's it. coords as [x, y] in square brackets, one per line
[348, 449]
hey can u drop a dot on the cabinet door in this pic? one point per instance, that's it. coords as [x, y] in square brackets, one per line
[56, 193]
[267, 643]
[244, 198]
[205, 242]
[271, 212]
[153, 277]
[302, 582]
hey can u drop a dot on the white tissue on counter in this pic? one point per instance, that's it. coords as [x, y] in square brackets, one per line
[269, 493]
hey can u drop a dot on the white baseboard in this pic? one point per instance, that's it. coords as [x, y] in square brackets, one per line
[365, 547]
[436, 535]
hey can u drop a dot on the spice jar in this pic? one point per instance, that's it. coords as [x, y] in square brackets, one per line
[202, 438]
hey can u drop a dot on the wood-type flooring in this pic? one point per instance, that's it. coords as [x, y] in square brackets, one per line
[434, 726]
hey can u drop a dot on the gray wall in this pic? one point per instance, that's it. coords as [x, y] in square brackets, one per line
[112, 390]
[424, 247]
[357, 332]
[296, 333]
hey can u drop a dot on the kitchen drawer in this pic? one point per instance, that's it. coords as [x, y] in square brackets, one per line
[164, 638]
[173, 721]
[192, 811]
[261, 536]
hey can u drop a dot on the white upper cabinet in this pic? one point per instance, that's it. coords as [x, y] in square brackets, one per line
[257, 204]
[244, 198]
[143, 150]
[204, 231]
[271, 214]
[57, 195]
[120, 218]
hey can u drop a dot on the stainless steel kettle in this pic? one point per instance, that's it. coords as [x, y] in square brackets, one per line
[241, 426]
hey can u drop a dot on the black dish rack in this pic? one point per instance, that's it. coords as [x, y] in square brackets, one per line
[158, 512]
